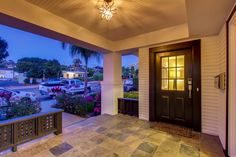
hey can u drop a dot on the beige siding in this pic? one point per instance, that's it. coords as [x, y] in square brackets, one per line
[222, 93]
[210, 96]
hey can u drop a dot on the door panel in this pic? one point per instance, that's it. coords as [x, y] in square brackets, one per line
[165, 106]
[174, 81]
[179, 108]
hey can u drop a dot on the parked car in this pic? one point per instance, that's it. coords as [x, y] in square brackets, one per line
[18, 94]
[69, 86]
[74, 86]
[128, 85]
[47, 88]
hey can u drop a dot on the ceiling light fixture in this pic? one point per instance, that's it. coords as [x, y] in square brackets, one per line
[107, 8]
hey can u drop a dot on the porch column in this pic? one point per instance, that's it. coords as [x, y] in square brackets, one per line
[143, 83]
[112, 87]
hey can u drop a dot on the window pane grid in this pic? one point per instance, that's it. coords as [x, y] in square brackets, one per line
[172, 73]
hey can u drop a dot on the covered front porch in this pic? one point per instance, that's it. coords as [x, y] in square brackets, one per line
[112, 134]
[118, 136]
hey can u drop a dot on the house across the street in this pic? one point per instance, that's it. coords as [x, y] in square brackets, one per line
[72, 74]
[7, 73]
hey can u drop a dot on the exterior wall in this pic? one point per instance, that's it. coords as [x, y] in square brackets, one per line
[71, 75]
[213, 61]
[7, 74]
[222, 93]
[232, 87]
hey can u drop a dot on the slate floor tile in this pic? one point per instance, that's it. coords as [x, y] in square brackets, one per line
[188, 151]
[139, 153]
[60, 149]
[147, 147]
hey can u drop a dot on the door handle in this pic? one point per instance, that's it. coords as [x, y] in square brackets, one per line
[189, 91]
[189, 88]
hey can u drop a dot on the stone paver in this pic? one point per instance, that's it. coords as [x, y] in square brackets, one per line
[120, 136]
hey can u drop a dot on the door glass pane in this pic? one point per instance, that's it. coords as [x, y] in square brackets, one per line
[180, 73]
[172, 61]
[164, 62]
[164, 85]
[172, 73]
[180, 85]
[165, 73]
[171, 85]
[180, 61]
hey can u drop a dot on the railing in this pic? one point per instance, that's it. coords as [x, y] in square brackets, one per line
[23, 129]
[128, 106]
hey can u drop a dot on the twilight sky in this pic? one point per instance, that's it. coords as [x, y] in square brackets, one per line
[23, 44]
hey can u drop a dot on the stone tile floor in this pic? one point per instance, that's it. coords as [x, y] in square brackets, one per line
[119, 136]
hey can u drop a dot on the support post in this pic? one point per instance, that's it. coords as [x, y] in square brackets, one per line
[112, 86]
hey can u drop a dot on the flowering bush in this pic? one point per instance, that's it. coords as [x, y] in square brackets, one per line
[5, 98]
[89, 98]
[6, 95]
[97, 108]
[79, 105]
[23, 107]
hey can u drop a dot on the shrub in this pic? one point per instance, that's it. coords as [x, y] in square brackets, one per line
[23, 107]
[135, 83]
[27, 81]
[75, 104]
[97, 77]
[132, 95]
[34, 81]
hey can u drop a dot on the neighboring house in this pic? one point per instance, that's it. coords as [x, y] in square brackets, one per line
[6, 73]
[73, 74]
[21, 78]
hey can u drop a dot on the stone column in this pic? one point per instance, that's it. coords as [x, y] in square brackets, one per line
[112, 86]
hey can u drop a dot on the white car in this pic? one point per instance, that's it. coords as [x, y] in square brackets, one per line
[69, 86]
[46, 88]
[19, 94]
[74, 86]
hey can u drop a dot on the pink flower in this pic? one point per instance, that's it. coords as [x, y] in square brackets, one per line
[97, 109]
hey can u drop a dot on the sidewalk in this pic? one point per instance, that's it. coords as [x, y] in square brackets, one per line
[22, 87]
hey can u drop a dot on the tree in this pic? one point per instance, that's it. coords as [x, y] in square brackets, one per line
[90, 72]
[132, 71]
[77, 63]
[125, 72]
[3, 49]
[85, 54]
[38, 68]
[52, 69]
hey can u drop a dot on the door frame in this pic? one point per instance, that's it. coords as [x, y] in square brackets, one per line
[195, 46]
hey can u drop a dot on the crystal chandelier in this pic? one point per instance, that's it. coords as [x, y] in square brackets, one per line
[107, 8]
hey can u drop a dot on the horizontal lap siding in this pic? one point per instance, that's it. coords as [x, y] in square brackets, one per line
[210, 95]
[222, 93]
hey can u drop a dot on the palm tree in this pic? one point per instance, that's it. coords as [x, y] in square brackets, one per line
[85, 54]
[3, 49]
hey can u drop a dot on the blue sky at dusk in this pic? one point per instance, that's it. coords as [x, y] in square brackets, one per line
[23, 44]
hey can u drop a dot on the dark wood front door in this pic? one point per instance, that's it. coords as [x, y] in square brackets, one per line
[174, 87]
